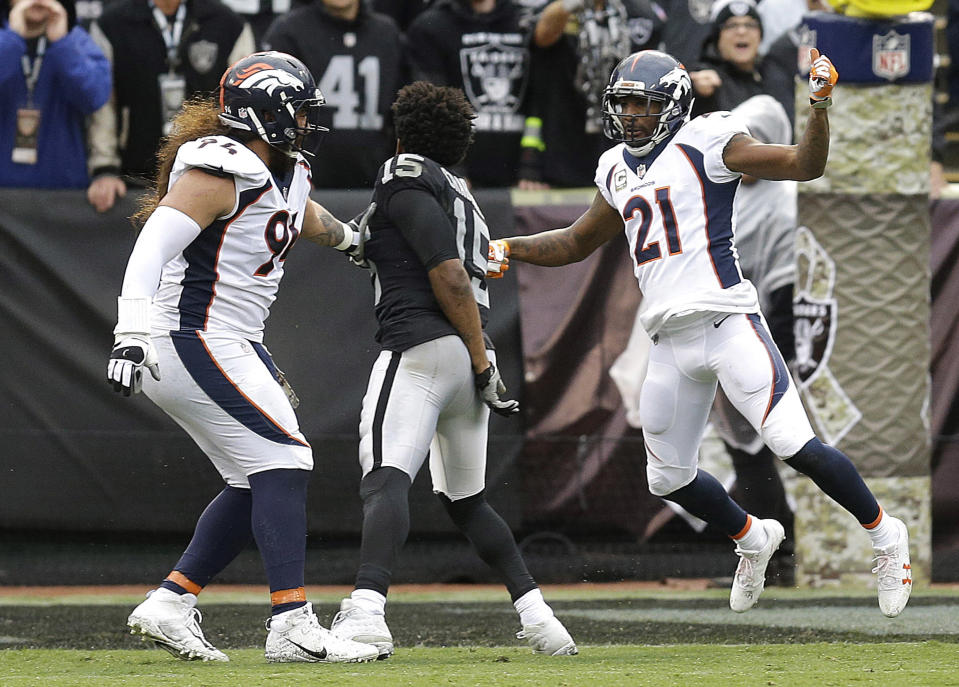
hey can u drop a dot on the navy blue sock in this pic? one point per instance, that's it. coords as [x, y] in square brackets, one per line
[222, 531]
[279, 527]
[705, 498]
[835, 474]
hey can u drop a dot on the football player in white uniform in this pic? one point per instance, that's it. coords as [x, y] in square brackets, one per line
[232, 197]
[671, 183]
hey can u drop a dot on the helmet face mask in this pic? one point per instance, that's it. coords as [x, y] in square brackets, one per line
[273, 95]
[649, 77]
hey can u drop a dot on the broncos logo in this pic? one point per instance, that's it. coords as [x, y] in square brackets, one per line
[265, 77]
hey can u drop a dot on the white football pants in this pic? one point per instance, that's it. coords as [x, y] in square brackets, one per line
[689, 356]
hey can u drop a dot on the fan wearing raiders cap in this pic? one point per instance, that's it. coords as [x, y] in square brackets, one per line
[435, 381]
[231, 199]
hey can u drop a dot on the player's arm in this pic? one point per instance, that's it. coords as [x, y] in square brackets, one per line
[321, 227]
[194, 201]
[803, 161]
[596, 226]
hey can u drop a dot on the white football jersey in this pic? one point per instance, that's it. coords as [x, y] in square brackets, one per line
[227, 278]
[678, 210]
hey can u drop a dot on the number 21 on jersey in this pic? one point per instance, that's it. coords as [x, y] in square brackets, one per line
[647, 252]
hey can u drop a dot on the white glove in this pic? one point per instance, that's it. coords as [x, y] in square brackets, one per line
[491, 388]
[497, 259]
[127, 360]
[132, 347]
[357, 241]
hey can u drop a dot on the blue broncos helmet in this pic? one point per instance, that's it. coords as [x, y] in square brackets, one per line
[264, 92]
[657, 77]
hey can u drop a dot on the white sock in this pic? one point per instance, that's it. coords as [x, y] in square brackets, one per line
[532, 608]
[369, 601]
[755, 537]
[885, 533]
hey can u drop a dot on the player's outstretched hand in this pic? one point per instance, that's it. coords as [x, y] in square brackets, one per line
[125, 368]
[822, 77]
[492, 390]
[497, 260]
[356, 251]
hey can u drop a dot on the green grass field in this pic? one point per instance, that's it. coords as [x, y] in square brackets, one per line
[465, 637]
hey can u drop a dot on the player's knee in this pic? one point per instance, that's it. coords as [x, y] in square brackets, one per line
[461, 510]
[384, 482]
[664, 481]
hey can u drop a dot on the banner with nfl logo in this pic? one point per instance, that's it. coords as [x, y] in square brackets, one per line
[861, 297]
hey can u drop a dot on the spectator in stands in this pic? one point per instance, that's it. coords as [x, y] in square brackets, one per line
[402, 11]
[163, 52]
[687, 28]
[576, 44]
[358, 59]
[730, 69]
[51, 77]
[481, 47]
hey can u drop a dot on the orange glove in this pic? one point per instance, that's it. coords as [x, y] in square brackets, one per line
[497, 259]
[822, 77]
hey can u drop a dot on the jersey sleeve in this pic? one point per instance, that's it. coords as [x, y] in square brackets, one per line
[604, 171]
[219, 155]
[718, 130]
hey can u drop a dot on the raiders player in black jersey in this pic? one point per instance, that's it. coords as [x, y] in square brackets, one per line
[434, 383]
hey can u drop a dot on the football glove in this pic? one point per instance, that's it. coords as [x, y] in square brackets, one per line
[822, 77]
[355, 248]
[497, 260]
[125, 368]
[132, 348]
[491, 390]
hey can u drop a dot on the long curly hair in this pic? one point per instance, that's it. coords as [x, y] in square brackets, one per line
[198, 117]
[434, 121]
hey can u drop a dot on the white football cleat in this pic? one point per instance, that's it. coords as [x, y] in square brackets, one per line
[750, 578]
[358, 625]
[297, 637]
[549, 637]
[895, 573]
[172, 622]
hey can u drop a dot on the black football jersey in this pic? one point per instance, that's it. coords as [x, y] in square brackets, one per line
[403, 247]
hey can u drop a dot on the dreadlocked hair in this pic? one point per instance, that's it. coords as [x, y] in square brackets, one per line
[434, 121]
[198, 117]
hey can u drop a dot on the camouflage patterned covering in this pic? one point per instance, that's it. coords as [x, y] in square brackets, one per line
[862, 324]
[832, 549]
[879, 138]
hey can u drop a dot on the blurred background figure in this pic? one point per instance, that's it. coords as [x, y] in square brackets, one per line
[729, 69]
[359, 62]
[52, 76]
[481, 47]
[163, 52]
[576, 44]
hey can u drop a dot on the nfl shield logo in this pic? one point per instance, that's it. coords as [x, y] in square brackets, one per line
[814, 322]
[890, 55]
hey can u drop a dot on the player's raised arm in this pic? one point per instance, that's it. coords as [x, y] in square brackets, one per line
[803, 161]
[557, 247]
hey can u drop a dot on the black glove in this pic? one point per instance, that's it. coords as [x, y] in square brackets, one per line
[491, 388]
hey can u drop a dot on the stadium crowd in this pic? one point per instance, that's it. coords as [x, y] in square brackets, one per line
[533, 70]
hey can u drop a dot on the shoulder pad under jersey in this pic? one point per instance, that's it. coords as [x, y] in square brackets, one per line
[220, 154]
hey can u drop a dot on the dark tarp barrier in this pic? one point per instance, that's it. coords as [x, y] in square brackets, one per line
[76, 456]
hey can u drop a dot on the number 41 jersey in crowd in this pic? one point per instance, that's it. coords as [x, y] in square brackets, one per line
[677, 206]
[227, 278]
[424, 216]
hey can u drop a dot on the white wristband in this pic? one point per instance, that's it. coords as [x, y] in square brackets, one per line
[133, 316]
[349, 238]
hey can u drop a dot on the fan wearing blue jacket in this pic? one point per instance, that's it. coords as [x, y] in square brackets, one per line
[51, 78]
